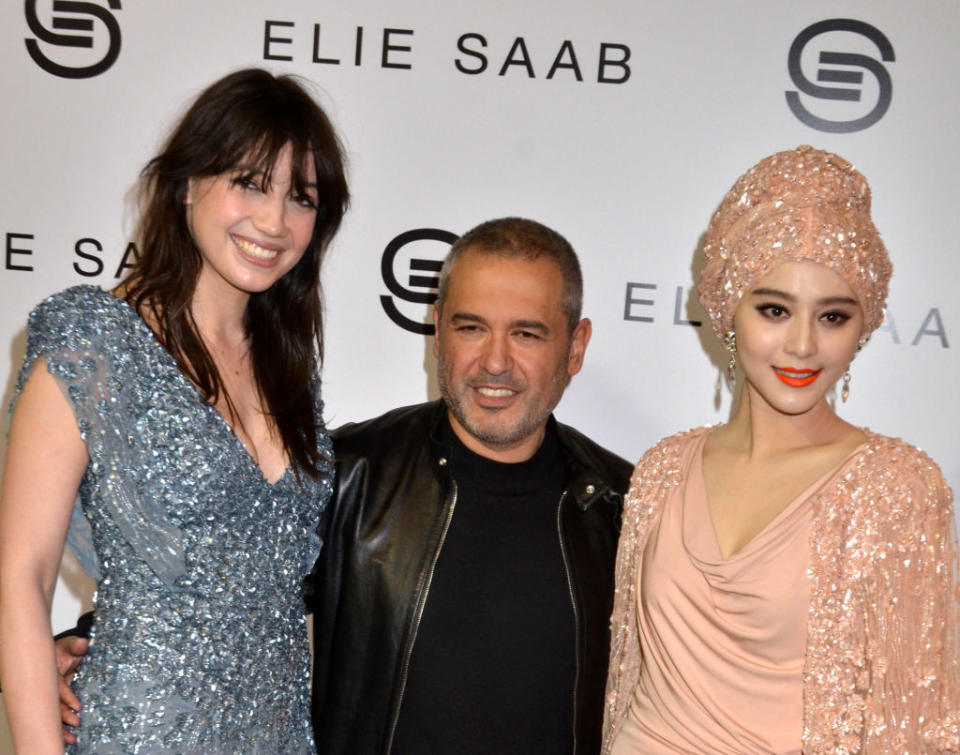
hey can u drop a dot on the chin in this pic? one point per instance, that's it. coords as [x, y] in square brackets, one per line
[797, 407]
[793, 405]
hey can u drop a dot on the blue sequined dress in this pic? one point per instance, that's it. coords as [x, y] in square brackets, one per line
[199, 643]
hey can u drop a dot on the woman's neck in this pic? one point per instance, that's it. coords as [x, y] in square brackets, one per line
[760, 430]
[218, 311]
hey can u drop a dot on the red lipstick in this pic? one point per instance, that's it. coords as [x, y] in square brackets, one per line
[796, 378]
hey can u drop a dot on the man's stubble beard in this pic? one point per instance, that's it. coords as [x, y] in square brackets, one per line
[533, 418]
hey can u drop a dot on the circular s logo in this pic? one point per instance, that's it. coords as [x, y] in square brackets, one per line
[420, 261]
[72, 25]
[842, 73]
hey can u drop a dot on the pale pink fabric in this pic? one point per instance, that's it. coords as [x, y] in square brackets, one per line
[722, 640]
[881, 656]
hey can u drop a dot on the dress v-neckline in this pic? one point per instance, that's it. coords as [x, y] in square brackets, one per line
[171, 363]
[787, 511]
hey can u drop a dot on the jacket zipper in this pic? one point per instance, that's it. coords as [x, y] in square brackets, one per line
[428, 579]
[576, 618]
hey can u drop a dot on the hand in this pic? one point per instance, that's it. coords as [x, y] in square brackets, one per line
[69, 653]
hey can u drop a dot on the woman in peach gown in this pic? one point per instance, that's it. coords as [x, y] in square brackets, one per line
[787, 582]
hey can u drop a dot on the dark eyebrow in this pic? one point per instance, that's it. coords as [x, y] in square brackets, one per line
[245, 168]
[773, 292]
[832, 300]
[466, 317]
[536, 325]
[825, 302]
[540, 327]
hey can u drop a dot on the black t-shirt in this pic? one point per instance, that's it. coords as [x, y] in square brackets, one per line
[493, 666]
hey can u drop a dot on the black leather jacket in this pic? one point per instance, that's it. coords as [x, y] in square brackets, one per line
[384, 532]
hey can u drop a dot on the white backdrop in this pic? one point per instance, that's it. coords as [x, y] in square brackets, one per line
[448, 120]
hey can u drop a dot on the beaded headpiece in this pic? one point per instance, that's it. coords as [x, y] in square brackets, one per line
[803, 204]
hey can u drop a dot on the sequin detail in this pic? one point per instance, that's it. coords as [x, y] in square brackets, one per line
[881, 670]
[200, 642]
[802, 204]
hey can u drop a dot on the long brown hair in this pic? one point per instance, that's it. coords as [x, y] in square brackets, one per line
[245, 118]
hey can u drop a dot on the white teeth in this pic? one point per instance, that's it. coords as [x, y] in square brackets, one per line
[254, 250]
[495, 392]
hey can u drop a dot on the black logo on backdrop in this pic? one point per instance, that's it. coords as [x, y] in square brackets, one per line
[847, 77]
[423, 280]
[72, 26]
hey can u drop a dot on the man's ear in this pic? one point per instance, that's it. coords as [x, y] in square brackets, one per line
[578, 346]
[436, 330]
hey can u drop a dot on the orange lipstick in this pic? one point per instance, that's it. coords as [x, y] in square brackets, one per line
[796, 378]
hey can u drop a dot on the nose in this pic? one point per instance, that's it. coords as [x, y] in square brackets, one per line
[496, 358]
[801, 338]
[270, 217]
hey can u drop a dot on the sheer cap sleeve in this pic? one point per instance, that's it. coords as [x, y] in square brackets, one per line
[87, 338]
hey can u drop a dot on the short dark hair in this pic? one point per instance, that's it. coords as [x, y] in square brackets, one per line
[520, 237]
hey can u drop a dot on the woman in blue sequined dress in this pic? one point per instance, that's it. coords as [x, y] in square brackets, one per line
[182, 412]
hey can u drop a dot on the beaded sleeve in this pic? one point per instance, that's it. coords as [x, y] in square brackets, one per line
[656, 472]
[83, 344]
[881, 671]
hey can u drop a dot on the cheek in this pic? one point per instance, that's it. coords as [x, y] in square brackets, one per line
[451, 358]
[216, 208]
[543, 369]
[845, 350]
[757, 341]
[303, 229]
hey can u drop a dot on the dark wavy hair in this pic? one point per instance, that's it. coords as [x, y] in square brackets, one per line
[245, 118]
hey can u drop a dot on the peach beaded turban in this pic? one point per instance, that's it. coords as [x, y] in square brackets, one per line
[803, 204]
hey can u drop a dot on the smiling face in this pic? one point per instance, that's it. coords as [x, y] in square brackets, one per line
[797, 330]
[250, 233]
[505, 352]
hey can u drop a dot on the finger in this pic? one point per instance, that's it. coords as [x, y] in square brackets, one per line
[67, 698]
[68, 717]
[69, 653]
[78, 646]
[69, 738]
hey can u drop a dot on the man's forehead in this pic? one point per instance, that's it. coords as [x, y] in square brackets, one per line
[529, 288]
[474, 268]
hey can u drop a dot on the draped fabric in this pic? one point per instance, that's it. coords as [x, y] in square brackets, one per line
[881, 670]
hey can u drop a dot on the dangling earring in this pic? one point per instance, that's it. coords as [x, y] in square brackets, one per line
[845, 388]
[730, 341]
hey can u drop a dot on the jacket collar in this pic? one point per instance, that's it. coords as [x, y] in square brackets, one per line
[583, 481]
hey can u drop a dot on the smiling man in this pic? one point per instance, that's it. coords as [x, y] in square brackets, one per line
[463, 594]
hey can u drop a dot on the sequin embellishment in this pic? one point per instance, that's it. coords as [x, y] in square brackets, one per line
[200, 642]
[881, 670]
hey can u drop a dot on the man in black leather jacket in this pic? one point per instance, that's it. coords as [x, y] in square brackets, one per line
[503, 365]
[384, 535]
[452, 614]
